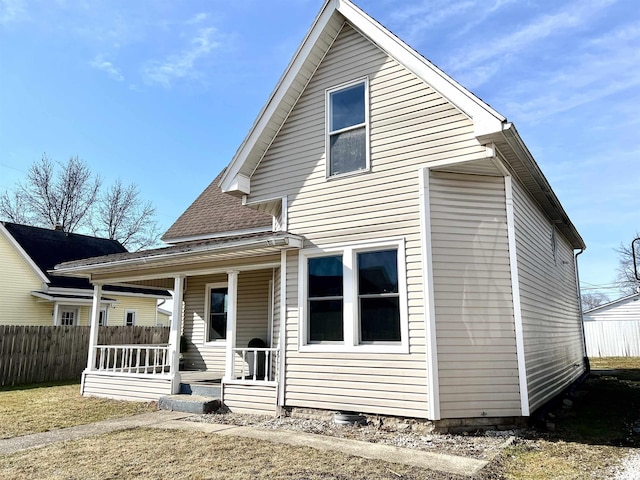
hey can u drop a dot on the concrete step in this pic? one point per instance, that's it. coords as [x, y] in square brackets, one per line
[189, 403]
[201, 388]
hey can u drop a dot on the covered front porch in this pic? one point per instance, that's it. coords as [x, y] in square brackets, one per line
[225, 322]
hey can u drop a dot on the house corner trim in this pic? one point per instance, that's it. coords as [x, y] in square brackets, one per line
[515, 292]
[433, 381]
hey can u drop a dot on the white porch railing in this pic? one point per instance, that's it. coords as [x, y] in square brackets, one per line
[256, 364]
[147, 359]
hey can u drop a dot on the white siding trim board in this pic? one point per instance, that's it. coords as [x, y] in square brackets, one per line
[433, 381]
[515, 288]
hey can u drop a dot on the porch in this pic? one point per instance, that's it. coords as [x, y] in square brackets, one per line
[144, 373]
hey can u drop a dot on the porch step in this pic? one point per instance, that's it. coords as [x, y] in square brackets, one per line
[189, 403]
[201, 388]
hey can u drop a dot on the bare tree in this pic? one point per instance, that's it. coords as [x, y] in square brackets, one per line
[69, 197]
[121, 215]
[593, 300]
[14, 208]
[626, 276]
[53, 199]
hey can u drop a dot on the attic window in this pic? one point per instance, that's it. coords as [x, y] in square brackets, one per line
[347, 128]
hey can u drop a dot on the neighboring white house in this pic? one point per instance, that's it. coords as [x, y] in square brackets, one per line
[384, 232]
[613, 329]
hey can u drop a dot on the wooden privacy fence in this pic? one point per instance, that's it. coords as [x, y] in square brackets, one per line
[48, 354]
[613, 338]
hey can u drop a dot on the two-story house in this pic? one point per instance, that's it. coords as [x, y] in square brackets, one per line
[386, 234]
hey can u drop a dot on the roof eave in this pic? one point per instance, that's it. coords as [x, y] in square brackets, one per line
[277, 241]
[509, 135]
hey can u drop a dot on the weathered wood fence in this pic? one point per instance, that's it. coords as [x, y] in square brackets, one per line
[47, 354]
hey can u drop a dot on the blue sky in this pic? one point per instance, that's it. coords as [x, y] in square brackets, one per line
[162, 93]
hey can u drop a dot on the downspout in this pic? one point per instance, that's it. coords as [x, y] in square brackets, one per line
[584, 340]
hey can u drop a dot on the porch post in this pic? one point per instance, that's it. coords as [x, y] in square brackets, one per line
[232, 312]
[93, 334]
[174, 333]
[55, 314]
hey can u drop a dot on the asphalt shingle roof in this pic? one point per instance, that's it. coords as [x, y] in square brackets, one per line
[48, 248]
[216, 212]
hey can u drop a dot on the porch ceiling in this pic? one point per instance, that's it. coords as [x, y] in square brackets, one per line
[246, 252]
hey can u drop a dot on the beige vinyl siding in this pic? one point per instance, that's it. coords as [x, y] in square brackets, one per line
[17, 281]
[475, 330]
[410, 125]
[550, 313]
[142, 389]
[251, 399]
[252, 321]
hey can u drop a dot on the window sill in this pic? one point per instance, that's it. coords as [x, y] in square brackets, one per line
[368, 348]
[216, 343]
[348, 174]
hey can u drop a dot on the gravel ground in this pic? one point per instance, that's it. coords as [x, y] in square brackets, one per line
[483, 446]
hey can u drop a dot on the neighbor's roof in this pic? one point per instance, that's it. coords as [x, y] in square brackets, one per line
[46, 248]
[214, 212]
[613, 303]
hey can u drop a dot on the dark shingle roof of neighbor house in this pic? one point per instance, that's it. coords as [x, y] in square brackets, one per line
[216, 212]
[47, 248]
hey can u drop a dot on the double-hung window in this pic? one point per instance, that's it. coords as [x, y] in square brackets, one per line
[353, 297]
[347, 128]
[378, 296]
[217, 304]
[326, 305]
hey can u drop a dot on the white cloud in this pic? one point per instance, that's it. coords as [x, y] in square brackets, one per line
[12, 11]
[498, 49]
[605, 66]
[198, 18]
[100, 63]
[182, 64]
[415, 20]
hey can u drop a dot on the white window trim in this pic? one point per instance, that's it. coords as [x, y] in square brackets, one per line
[221, 342]
[135, 317]
[76, 315]
[350, 298]
[104, 310]
[328, 131]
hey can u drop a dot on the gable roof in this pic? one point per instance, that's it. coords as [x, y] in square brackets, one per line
[306, 60]
[45, 248]
[614, 303]
[490, 127]
[215, 214]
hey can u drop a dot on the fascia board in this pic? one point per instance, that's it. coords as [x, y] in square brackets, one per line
[282, 87]
[14, 243]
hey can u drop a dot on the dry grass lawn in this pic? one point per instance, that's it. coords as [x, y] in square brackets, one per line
[590, 438]
[588, 441]
[171, 454]
[43, 407]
